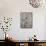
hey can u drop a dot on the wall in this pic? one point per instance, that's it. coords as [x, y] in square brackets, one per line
[12, 8]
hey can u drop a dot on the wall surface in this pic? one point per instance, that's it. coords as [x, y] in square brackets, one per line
[12, 8]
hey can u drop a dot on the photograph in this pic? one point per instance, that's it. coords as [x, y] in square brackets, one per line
[26, 19]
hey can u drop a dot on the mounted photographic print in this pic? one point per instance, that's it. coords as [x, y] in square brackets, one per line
[26, 19]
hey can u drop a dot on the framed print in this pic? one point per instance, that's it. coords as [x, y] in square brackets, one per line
[26, 19]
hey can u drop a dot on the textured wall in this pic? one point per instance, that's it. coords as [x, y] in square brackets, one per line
[12, 8]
